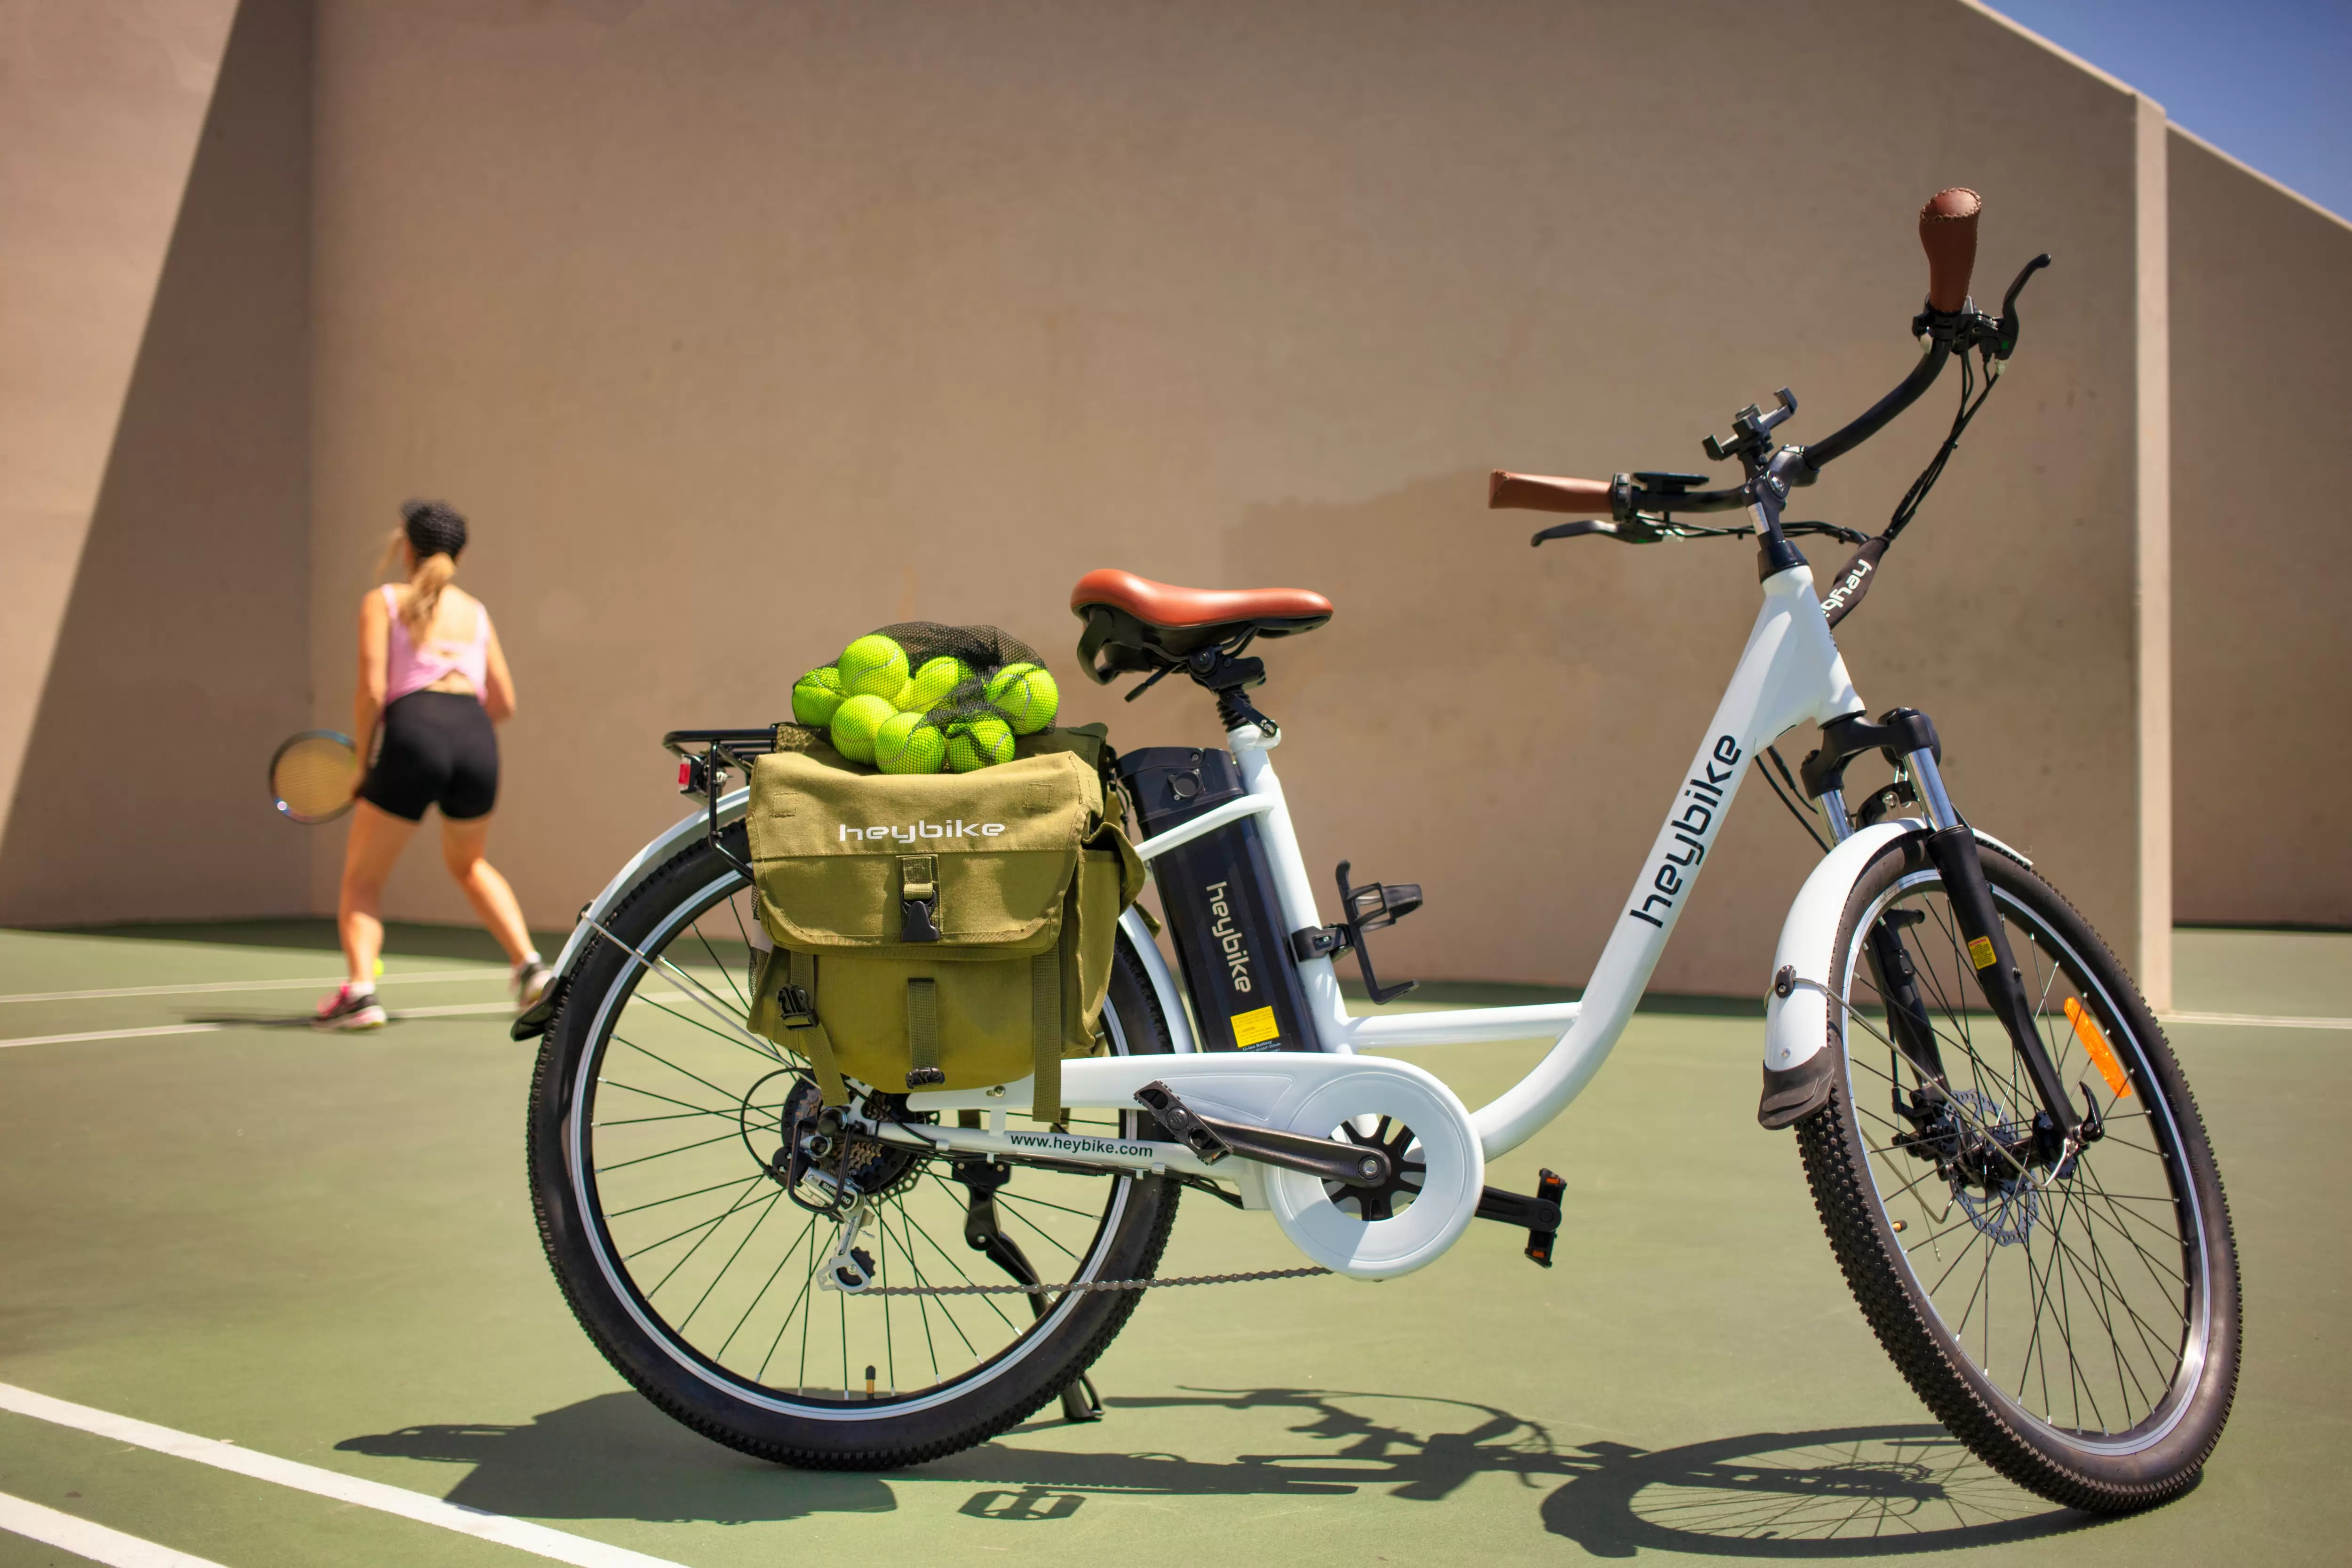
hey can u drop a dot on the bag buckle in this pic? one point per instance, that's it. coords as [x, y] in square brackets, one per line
[797, 1011]
[919, 898]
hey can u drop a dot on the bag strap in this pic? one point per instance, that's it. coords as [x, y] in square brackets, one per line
[923, 1033]
[1045, 1033]
[800, 970]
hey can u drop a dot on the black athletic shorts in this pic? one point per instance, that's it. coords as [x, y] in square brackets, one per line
[438, 750]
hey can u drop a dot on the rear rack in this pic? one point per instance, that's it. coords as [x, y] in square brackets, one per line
[704, 772]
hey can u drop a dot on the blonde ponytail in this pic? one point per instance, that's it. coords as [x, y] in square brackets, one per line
[432, 574]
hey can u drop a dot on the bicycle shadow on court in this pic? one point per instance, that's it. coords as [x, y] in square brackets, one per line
[616, 1456]
[1850, 1492]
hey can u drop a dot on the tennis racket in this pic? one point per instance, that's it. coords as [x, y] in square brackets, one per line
[312, 776]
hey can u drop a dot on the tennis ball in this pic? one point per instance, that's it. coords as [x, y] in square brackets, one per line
[909, 743]
[1026, 695]
[856, 722]
[903, 699]
[873, 666]
[816, 695]
[935, 683]
[976, 743]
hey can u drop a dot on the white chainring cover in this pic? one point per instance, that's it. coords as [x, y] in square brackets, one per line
[1311, 1094]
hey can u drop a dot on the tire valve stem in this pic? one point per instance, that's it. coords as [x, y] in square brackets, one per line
[869, 1382]
[1898, 1231]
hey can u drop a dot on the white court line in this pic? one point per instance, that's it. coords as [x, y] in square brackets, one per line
[70, 1532]
[2257, 1021]
[453, 1009]
[535, 1539]
[484, 973]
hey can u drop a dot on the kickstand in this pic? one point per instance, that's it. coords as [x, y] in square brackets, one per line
[1080, 1402]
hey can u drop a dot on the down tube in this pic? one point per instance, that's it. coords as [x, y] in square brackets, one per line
[1790, 671]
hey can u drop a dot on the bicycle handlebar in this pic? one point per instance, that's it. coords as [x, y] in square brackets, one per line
[1947, 232]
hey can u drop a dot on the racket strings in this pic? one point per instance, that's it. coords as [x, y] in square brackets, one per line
[313, 778]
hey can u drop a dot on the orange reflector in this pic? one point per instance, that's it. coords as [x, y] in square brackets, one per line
[2095, 1046]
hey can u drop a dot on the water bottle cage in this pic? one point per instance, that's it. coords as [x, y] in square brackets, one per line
[1367, 908]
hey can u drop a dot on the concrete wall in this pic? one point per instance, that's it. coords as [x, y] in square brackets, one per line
[2262, 678]
[155, 459]
[741, 328]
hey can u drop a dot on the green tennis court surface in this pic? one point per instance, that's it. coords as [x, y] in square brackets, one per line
[321, 1250]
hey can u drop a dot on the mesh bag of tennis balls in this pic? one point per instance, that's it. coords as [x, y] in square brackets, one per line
[922, 697]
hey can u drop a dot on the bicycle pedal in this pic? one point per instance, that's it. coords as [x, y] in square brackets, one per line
[1539, 1214]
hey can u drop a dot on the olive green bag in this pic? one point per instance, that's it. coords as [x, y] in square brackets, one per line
[946, 931]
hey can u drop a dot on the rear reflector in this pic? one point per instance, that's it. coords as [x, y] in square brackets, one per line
[2095, 1046]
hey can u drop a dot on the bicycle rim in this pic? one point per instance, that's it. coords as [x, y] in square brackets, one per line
[2084, 1304]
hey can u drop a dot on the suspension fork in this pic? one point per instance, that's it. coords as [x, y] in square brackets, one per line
[1953, 848]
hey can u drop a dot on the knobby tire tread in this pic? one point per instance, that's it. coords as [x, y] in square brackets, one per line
[547, 1077]
[1845, 1202]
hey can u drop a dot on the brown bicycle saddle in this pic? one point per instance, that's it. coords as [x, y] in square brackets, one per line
[1134, 624]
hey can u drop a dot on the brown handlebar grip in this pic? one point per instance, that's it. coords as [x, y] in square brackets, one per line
[1947, 232]
[1536, 493]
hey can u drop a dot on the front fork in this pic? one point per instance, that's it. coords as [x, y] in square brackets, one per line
[1952, 847]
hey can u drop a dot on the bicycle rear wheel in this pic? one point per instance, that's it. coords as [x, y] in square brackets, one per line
[656, 1123]
[2077, 1326]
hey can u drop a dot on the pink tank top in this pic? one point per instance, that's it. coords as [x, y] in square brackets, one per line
[412, 669]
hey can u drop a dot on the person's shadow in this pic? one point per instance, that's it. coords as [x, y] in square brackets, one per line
[1861, 1491]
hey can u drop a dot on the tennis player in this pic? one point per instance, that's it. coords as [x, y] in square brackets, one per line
[433, 681]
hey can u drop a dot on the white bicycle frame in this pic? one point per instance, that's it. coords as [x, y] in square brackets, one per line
[1790, 671]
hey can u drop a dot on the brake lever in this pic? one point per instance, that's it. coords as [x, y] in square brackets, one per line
[2005, 330]
[1576, 529]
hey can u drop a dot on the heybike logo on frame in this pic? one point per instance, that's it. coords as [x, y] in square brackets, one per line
[1229, 937]
[957, 829]
[1703, 795]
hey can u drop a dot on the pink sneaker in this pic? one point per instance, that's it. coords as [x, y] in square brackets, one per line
[345, 1010]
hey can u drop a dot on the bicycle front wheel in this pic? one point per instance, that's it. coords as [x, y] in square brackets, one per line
[659, 1167]
[2075, 1323]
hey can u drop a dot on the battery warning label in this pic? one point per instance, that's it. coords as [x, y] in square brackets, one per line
[1254, 1028]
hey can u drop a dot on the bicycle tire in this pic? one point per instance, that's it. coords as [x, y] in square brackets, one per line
[789, 1424]
[2099, 1464]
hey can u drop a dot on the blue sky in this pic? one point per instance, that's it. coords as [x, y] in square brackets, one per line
[2264, 80]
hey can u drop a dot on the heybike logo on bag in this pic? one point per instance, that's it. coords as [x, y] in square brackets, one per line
[1705, 798]
[957, 829]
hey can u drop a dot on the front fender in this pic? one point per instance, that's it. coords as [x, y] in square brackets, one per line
[1798, 1062]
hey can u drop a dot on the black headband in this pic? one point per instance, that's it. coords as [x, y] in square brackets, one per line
[433, 528]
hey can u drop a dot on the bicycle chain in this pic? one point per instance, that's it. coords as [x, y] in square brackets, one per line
[1084, 1285]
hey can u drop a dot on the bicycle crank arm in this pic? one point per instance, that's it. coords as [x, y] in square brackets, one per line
[1213, 1139]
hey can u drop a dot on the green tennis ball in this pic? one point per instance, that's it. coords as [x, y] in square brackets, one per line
[978, 743]
[935, 683]
[856, 722]
[909, 743]
[903, 699]
[1026, 695]
[816, 695]
[873, 666]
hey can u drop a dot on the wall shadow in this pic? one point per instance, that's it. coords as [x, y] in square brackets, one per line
[403, 938]
[183, 652]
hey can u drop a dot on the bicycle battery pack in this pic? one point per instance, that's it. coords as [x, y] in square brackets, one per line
[1218, 895]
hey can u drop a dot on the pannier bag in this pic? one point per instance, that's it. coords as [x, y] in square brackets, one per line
[949, 931]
